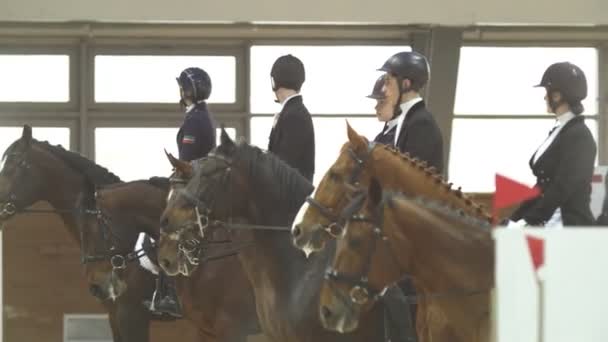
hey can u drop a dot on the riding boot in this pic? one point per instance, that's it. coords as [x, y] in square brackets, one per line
[401, 324]
[166, 301]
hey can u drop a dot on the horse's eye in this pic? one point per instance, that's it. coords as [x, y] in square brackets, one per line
[334, 176]
[355, 242]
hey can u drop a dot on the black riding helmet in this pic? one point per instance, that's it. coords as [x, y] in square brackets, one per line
[195, 83]
[569, 80]
[378, 91]
[287, 72]
[407, 65]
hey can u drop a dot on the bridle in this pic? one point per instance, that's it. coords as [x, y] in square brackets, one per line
[117, 260]
[361, 292]
[335, 227]
[10, 207]
[194, 247]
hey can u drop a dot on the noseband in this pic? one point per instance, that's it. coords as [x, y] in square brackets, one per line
[361, 292]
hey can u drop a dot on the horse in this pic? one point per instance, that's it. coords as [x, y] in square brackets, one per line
[255, 196]
[322, 217]
[448, 254]
[35, 171]
[217, 299]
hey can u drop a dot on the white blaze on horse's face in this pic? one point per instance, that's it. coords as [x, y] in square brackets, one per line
[302, 211]
[2, 163]
[175, 236]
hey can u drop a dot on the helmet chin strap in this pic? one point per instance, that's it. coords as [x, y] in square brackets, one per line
[397, 109]
[552, 103]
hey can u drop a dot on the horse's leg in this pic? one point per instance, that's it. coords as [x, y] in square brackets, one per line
[133, 321]
[111, 308]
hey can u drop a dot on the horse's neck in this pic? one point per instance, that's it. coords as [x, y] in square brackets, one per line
[147, 215]
[65, 200]
[441, 260]
[271, 258]
[394, 171]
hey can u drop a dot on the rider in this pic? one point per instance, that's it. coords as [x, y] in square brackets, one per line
[564, 162]
[411, 128]
[196, 137]
[292, 137]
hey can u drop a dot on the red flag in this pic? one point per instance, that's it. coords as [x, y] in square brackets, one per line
[536, 247]
[510, 192]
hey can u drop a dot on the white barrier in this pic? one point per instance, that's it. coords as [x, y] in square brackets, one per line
[567, 302]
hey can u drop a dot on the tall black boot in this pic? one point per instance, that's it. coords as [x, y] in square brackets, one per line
[401, 324]
[166, 300]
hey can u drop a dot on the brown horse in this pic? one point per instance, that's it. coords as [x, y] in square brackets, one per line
[449, 255]
[218, 298]
[321, 218]
[254, 194]
[37, 171]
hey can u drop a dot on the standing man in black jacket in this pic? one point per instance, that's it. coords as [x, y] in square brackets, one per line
[564, 163]
[293, 136]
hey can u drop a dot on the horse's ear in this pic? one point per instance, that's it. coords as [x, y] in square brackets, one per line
[225, 138]
[241, 140]
[26, 135]
[355, 139]
[183, 167]
[374, 193]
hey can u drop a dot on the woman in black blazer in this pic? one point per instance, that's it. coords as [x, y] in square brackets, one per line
[564, 163]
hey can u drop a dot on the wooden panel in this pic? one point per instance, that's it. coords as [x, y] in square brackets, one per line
[43, 279]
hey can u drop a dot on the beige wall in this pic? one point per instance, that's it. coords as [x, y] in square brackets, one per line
[444, 12]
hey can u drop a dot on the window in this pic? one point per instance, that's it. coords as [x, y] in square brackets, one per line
[500, 80]
[337, 77]
[151, 79]
[138, 153]
[330, 135]
[34, 78]
[54, 135]
[483, 147]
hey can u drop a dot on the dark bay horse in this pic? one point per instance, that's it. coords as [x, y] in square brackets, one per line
[320, 219]
[243, 186]
[35, 171]
[217, 298]
[449, 255]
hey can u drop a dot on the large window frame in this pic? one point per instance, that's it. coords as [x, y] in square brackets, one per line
[599, 117]
[83, 41]
[46, 108]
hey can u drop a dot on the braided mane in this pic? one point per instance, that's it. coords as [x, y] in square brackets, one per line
[456, 198]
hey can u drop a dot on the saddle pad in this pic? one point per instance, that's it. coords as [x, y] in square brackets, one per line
[145, 261]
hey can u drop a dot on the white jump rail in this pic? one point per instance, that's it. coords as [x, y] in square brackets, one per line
[567, 300]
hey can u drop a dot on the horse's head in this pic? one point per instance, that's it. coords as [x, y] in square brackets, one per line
[22, 175]
[210, 193]
[321, 218]
[107, 239]
[364, 264]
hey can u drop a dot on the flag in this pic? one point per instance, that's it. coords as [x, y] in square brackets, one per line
[536, 246]
[188, 139]
[509, 192]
